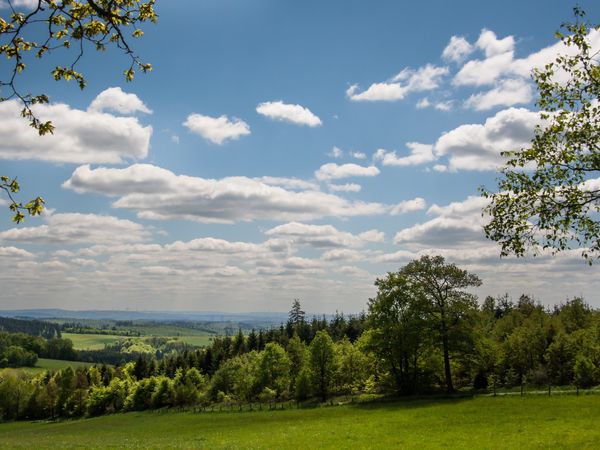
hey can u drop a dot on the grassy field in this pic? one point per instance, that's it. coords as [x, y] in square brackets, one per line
[51, 364]
[90, 341]
[501, 422]
[98, 341]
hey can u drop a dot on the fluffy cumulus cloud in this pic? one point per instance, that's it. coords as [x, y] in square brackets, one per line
[289, 183]
[156, 193]
[457, 49]
[419, 154]
[347, 187]
[76, 228]
[14, 252]
[407, 206]
[492, 46]
[506, 93]
[332, 171]
[509, 75]
[336, 152]
[458, 224]
[114, 99]
[426, 78]
[284, 112]
[80, 137]
[478, 146]
[323, 236]
[217, 129]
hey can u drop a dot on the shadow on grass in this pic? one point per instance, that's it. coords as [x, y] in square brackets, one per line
[411, 402]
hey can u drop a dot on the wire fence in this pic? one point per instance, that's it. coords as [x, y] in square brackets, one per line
[522, 391]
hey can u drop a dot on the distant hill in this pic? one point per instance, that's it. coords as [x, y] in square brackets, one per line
[46, 314]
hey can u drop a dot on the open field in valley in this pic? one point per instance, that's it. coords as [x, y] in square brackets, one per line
[90, 341]
[483, 422]
[52, 364]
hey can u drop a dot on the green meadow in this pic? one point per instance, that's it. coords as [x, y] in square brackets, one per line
[90, 341]
[483, 422]
[99, 341]
[51, 364]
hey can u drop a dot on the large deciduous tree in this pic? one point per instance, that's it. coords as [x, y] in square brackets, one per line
[322, 363]
[549, 194]
[398, 334]
[425, 300]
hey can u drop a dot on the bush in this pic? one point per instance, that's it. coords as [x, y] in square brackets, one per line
[584, 372]
[303, 383]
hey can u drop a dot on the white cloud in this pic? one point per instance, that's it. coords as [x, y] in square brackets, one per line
[217, 129]
[14, 253]
[323, 236]
[332, 171]
[483, 72]
[456, 225]
[500, 62]
[372, 236]
[440, 106]
[492, 46]
[443, 106]
[406, 206]
[114, 99]
[419, 154]
[296, 114]
[425, 78]
[358, 155]
[159, 194]
[80, 136]
[457, 49]
[348, 187]
[342, 254]
[478, 146]
[507, 92]
[289, 183]
[76, 228]
[423, 103]
[335, 153]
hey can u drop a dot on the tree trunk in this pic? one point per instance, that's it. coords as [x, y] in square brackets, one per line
[447, 371]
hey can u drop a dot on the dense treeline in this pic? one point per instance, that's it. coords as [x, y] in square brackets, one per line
[423, 332]
[47, 330]
[23, 350]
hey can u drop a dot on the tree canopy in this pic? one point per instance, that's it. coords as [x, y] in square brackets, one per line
[549, 194]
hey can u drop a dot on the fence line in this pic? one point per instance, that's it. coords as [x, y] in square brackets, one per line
[292, 404]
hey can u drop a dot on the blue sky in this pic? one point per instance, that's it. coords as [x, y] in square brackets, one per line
[280, 150]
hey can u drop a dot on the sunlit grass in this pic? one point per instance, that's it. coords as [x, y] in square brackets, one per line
[501, 422]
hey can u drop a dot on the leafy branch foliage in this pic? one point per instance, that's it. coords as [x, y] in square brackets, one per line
[547, 196]
[64, 24]
[33, 207]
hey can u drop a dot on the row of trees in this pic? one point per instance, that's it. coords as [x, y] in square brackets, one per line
[20, 349]
[299, 371]
[427, 330]
[47, 330]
